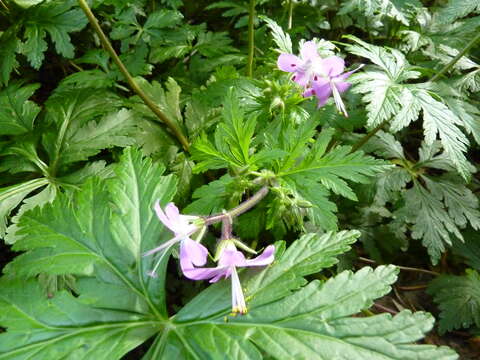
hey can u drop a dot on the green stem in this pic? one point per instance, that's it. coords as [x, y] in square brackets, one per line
[133, 85]
[456, 58]
[4, 6]
[240, 209]
[251, 38]
[290, 15]
[368, 136]
[437, 76]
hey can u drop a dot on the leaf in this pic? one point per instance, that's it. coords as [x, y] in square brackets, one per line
[401, 10]
[456, 9]
[17, 113]
[111, 130]
[9, 45]
[437, 211]
[58, 19]
[12, 196]
[211, 198]
[312, 323]
[103, 228]
[469, 249]
[282, 39]
[458, 298]
[439, 119]
[72, 112]
[63, 326]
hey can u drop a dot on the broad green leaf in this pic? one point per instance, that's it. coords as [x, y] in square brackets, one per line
[458, 298]
[311, 323]
[63, 326]
[17, 113]
[106, 228]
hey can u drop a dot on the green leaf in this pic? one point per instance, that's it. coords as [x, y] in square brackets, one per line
[12, 196]
[311, 323]
[58, 19]
[211, 198]
[282, 39]
[71, 112]
[105, 227]
[111, 130]
[9, 45]
[63, 326]
[456, 9]
[27, 3]
[400, 10]
[17, 113]
[458, 298]
[469, 248]
[437, 211]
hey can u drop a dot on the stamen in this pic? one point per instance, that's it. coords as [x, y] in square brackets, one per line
[338, 99]
[238, 299]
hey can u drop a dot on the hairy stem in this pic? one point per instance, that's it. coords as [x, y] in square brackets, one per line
[240, 209]
[133, 85]
[251, 38]
[437, 76]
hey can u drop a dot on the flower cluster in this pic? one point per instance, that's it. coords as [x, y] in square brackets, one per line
[193, 255]
[321, 77]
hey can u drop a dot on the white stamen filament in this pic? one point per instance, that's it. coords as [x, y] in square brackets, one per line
[153, 272]
[338, 99]
[238, 299]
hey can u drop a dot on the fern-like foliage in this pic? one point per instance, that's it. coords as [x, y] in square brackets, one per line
[391, 99]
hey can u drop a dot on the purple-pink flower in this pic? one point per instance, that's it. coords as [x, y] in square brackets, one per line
[304, 67]
[182, 226]
[230, 259]
[320, 77]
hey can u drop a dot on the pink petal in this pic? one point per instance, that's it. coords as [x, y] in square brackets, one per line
[163, 217]
[301, 78]
[309, 92]
[196, 253]
[308, 51]
[333, 66]
[214, 274]
[172, 213]
[342, 86]
[232, 257]
[322, 90]
[264, 259]
[288, 62]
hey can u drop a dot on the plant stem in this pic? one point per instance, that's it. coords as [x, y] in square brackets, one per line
[290, 14]
[437, 76]
[131, 81]
[368, 136]
[227, 227]
[456, 58]
[240, 209]
[251, 38]
[4, 6]
[405, 268]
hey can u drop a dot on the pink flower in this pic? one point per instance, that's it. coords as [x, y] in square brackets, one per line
[230, 259]
[331, 81]
[182, 226]
[304, 67]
